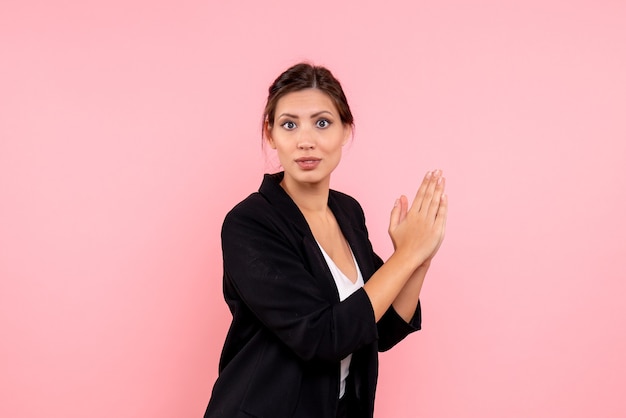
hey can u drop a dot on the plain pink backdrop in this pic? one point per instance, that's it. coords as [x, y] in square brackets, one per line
[129, 128]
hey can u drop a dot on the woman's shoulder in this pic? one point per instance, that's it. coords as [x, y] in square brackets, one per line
[344, 201]
[250, 217]
[251, 207]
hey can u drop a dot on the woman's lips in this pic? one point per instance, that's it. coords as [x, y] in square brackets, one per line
[308, 163]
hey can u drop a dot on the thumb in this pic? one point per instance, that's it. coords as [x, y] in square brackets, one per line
[395, 216]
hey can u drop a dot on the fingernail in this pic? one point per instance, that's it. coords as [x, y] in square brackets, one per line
[396, 203]
[428, 174]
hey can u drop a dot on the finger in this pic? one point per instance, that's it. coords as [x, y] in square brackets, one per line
[442, 213]
[404, 207]
[429, 192]
[438, 192]
[394, 219]
[421, 191]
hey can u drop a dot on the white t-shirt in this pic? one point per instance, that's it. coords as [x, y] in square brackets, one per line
[345, 288]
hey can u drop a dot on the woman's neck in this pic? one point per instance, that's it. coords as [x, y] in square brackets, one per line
[310, 198]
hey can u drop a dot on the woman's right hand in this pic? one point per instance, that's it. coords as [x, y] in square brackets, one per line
[417, 232]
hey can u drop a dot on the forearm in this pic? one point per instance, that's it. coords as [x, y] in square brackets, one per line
[385, 286]
[406, 301]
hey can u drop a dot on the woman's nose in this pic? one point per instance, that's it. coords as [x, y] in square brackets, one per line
[306, 140]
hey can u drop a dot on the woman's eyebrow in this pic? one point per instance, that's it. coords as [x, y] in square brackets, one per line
[289, 115]
[314, 115]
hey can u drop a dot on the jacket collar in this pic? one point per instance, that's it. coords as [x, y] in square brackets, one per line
[278, 197]
[356, 237]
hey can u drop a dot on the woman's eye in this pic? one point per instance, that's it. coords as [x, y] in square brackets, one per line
[289, 125]
[323, 123]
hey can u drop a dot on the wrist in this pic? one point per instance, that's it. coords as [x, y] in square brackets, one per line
[426, 264]
[411, 259]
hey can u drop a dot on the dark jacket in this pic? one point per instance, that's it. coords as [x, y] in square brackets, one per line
[289, 331]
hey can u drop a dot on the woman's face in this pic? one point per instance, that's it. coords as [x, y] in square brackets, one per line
[308, 136]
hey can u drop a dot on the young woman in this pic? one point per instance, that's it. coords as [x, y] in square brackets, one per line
[312, 303]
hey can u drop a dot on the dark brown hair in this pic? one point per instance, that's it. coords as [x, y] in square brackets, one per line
[306, 76]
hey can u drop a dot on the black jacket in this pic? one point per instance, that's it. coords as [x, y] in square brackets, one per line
[289, 331]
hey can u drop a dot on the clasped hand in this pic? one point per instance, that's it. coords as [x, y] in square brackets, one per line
[417, 232]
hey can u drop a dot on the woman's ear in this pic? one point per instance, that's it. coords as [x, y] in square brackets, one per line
[267, 134]
[347, 134]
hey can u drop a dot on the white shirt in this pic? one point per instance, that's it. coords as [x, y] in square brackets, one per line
[345, 288]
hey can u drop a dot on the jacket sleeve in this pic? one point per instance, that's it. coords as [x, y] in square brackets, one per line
[392, 328]
[269, 274]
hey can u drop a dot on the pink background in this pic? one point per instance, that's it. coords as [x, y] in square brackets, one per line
[129, 128]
